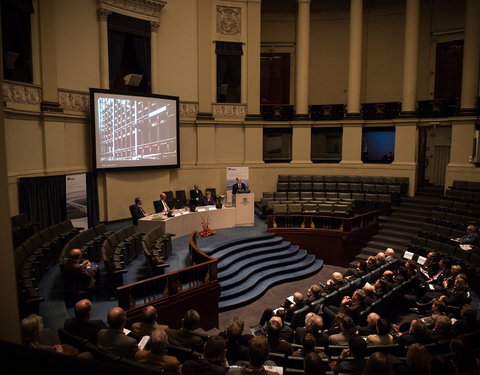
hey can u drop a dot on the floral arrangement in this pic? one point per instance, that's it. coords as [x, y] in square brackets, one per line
[206, 230]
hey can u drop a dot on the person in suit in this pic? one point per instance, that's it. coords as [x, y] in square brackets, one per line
[81, 272]
[81, 325]
[239, 186]
[470, 238]
[195, 195]
[148, 324]
[213, 361]
[352, 360]
[208, 200]
[184, 336]
[162, 205]
[157, 355]
[113, 339]
[137, 211]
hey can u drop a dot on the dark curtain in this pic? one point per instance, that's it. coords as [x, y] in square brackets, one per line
[229, 69]
[142, 53]
[116, 46]
[16, 38]
[92, 199]
[43, 199]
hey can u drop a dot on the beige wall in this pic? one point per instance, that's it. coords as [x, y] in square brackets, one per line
[42, 144]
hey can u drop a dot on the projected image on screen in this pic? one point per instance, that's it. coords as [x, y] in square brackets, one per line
[135, 131]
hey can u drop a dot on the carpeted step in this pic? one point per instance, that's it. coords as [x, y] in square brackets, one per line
[382, 245]
[253, 257]
[243, 274]
[210, 246]
[263, 284]
[404, 236]
[234, 254]
[265, 273]
[392, 240]
[223, 251]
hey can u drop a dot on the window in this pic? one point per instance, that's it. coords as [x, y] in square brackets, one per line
[129, 53]
[327, 145]
[229, 72]
[378, 144]
[277, 145]
[17, 40]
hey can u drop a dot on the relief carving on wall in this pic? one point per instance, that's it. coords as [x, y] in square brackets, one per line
[228, 20]
[74, 101]
[143, 9]
[21, 93]
[188, 111]
[232, 112]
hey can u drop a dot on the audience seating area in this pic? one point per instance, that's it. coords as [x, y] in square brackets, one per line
[22, 229]
[34, 256]
[157, 247]
[333, 195]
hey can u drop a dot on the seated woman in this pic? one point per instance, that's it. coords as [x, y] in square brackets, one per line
[208, 199]
[383, 336]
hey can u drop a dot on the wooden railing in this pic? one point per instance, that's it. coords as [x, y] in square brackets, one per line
[194, 287]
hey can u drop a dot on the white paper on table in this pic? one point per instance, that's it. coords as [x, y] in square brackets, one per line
[408, 255]
[421, 260]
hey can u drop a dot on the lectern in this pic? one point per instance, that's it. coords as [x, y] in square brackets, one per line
[244, 208]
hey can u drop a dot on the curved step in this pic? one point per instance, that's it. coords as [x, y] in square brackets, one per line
[266, 273]
[237, 256]
[243, 272]
[236, 247]
[211, 247]
[263, 285]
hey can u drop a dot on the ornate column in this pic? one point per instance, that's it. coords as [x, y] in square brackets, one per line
[154, 25]
[102, 15]
[302, 58]
[471, 58]
[410, 58]
[205, 59]
[48, 57]
[253, 60]
[355, 58]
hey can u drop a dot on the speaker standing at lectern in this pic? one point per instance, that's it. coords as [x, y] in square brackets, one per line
[238, 187]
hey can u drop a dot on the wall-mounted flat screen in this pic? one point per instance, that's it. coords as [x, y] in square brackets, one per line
[134, 130]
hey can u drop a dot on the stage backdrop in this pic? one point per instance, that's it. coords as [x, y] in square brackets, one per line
[232, 174]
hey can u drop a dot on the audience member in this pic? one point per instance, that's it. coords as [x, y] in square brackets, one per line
[354, 273]
[464, 360]
[314, 293]
[383, 336]
[417, 361]
[184, 336]
[276, 343]
[35, 335]
[468, 321]
[377, 364]
[113, 339]
[148, 324]
[308, 345]
[371, 327]
[81, 325]
[346, 326]
[389, 254]
[417, 333]
[336, 282]
[470, 238]
[237, 343]
[213, 360]
[351, 306]
[157, 356]
[442, 329]
[352, 360]
[258, 352]
[440, 364]
[313, 364]
[313, 326]
[81, 272]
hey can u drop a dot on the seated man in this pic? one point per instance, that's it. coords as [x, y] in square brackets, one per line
[81, 325]
[336, 282]
[184, 336]
[470, 238]
[148, 324]
[208, 200]
[81, 272]
[137, 211]
[161, 205]
[258, 352]
[113, 339]
[213, 361]
[157, 355]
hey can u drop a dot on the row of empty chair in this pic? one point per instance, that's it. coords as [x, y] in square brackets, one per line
[34, 257]
[119, 249]
[462, 195]
[22, 228]
[178, 198]
[157, 247]
[459, 207]
[465, 185]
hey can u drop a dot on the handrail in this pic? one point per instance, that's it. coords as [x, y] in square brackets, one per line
[170, 284]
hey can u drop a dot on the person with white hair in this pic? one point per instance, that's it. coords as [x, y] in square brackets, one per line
[389, 254]
[157, 355]
[336, 282]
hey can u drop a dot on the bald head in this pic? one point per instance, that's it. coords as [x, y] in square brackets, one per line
[372, 319]
[337, 276]
[149, 314]
[75, 253]
[116, 318]
[163, 196]
[83, 309]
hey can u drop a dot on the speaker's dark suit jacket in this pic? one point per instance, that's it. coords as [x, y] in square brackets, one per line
[235, 188]
[159, 206]
[196, 196]
[136, 213]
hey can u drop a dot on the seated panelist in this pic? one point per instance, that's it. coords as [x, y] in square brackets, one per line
[208, 200]
[161, 205]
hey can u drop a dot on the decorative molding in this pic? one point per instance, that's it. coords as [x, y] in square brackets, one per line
[229, 20]
[21, 93]
[233, 112]
[144, 9]
[188, 111]
[154, 25]
[73, 101]
[102, 14]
